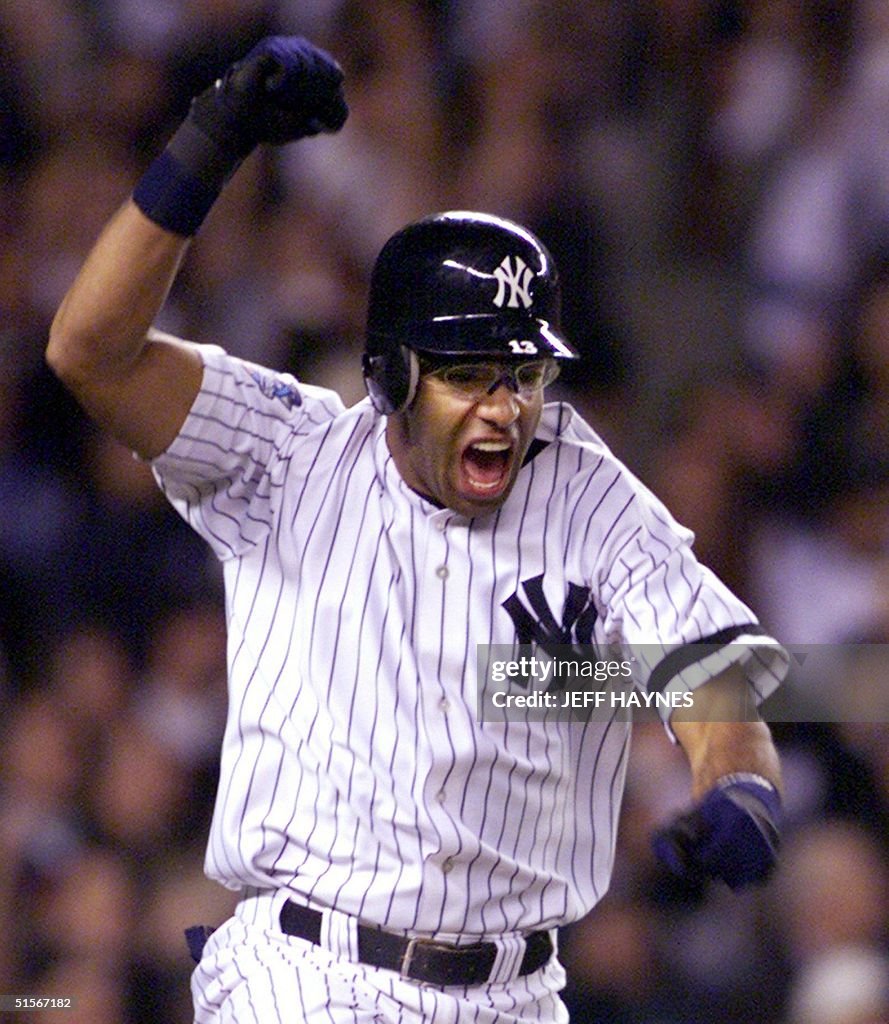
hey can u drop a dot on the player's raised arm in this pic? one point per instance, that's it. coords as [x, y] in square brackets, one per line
[100, 346]
[136, 383]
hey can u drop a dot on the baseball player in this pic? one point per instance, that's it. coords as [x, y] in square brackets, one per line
[396, 856]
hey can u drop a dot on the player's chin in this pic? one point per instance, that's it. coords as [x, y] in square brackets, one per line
[473, 497]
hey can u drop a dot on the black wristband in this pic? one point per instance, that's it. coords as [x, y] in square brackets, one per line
[181, 185]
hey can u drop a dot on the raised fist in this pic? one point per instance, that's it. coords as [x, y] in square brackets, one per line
[284, 89]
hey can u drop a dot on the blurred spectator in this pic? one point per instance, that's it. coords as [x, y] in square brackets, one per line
[30, 543]
[97, 993]
[129, 556]
[827, 583]
[831, 768]
[391, 165]
[867, 736]
[832, 891]
[829, 529]
[843, 986]
[192, 40]
[181, 696]
[138, 796]
[221, 297]
[720, 440]
[87, 173]
[315, 302]
[613, 975]
[47, 65]
[78, 941]
[89, 677]
[763, 87]
[40, 773]
[824, 208]
[85, 910]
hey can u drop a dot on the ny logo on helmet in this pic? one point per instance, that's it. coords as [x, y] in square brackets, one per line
[518, 281]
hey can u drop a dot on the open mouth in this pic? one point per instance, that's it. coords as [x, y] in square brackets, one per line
[486, 466]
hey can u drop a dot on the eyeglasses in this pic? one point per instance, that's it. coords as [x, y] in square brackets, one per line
[474, 380]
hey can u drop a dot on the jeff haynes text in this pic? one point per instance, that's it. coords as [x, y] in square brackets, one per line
[591, 699]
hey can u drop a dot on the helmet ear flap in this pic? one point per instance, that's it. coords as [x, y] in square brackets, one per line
[391, 378]
[413, 371]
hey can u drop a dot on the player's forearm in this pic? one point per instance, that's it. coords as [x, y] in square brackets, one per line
[100, 329]
[732, 831]
[718, 741]
[718, 749]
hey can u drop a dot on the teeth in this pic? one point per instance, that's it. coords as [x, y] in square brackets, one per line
[492, 446]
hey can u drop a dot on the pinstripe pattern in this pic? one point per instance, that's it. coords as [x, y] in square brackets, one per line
[354, 773]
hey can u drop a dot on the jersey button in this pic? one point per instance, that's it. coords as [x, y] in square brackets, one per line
[444, 705]
[442, 572]
[440, 796]
[447, 865]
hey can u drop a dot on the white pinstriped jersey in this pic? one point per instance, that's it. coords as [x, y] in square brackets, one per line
[354, 770]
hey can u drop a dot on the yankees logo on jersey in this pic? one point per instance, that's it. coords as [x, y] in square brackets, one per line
[355, 608]
[578, 617]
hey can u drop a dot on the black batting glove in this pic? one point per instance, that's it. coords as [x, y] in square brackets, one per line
[731, 835]
[285, 89]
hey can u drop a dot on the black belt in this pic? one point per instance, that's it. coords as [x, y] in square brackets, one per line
[432, 963]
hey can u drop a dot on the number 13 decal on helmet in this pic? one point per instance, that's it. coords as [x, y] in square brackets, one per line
[523, 348]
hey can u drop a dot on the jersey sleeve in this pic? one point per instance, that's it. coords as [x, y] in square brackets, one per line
[224, 470]
[674, 617]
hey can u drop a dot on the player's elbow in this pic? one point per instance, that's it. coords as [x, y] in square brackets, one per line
[64, 350]
[61, 354]
[74, 355]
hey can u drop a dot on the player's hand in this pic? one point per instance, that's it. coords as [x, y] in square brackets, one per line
[732, 834]
[284, 89]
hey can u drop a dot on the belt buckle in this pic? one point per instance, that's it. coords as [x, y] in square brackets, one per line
[417, 945]
[451, 967]
[407, 958]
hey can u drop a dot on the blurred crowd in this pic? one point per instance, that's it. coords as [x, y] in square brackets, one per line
[712, 177]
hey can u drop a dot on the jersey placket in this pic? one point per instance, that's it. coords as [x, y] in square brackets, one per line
[440, 640]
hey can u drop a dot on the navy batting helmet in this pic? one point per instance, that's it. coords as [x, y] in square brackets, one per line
[458, 284]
